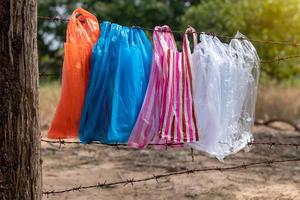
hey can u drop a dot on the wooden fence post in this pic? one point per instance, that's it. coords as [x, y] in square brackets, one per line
[20, 161]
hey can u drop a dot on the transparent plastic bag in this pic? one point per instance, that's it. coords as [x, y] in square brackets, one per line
[233, 97]
[251, 66]
[225, 102]
[207, 94]
[82, 32]
[121, 64]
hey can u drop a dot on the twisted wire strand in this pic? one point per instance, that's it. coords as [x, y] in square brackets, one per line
[267, 42]
[131, 181]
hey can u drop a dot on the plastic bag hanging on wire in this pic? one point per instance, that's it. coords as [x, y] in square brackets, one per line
[234, 88]
[206, 64]
[252, 68]
[147, 125]
[167, 116]
[239, 93]
[221, 101]
[178, 121]
[121, 64]
[82, 32]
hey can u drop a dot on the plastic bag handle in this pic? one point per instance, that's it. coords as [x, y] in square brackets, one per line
[82, 20]
[186, 42]
[163, 38]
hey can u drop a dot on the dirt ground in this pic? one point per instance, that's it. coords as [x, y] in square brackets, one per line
[76, 165]
[72, 165]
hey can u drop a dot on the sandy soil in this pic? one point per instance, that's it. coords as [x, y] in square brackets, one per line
[74, 165]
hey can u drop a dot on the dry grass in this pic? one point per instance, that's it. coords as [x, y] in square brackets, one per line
[278, 102]
[273, 102]
[49, 96]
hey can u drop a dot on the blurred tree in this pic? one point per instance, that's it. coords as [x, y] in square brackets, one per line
[267, 20]
[126, 12]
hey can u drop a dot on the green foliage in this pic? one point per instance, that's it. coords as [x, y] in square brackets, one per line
[126, 12]
[267, 20]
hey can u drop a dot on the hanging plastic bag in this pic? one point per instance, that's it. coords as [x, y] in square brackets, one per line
[206, 64]
[234, 82]
[221, 103]
[82, 33]
[147, 125]
[250, 66]
[121, 64]
[167, 115]
[178, 121]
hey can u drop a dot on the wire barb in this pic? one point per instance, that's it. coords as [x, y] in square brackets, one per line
[192, 154]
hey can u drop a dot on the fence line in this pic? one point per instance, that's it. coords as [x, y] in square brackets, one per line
[279, 59]
[274, 60]
[257, 122]
[261, 143]
[131, 181]
[266, 42]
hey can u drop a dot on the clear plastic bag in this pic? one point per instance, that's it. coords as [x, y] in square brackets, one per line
[225, 101]
[251, 66]
[121, 64]
[207, 94]
[82, 32]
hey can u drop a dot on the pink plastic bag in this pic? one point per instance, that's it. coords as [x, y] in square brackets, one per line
[167, 115]
[177, 121]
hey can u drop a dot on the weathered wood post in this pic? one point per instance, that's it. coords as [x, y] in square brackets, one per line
[20, 162]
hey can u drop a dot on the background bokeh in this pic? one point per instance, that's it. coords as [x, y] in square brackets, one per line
[266, 20]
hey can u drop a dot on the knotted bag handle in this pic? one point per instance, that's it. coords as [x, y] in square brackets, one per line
[82, 26]
[186, 42]
[163, 39]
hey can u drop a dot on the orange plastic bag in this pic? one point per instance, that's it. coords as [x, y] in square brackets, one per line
[82, 32]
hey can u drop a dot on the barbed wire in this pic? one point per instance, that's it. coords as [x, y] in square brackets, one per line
[267, 42]
[64, 142]
[55, 18]
[274, 60]
[271, 144]
[131, 181]
[279, 59]
[266, 123]
[43, 75]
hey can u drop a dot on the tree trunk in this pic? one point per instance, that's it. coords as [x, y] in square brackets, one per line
[20, 162]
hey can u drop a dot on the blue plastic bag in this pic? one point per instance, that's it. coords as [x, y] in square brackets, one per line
[120, 67]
